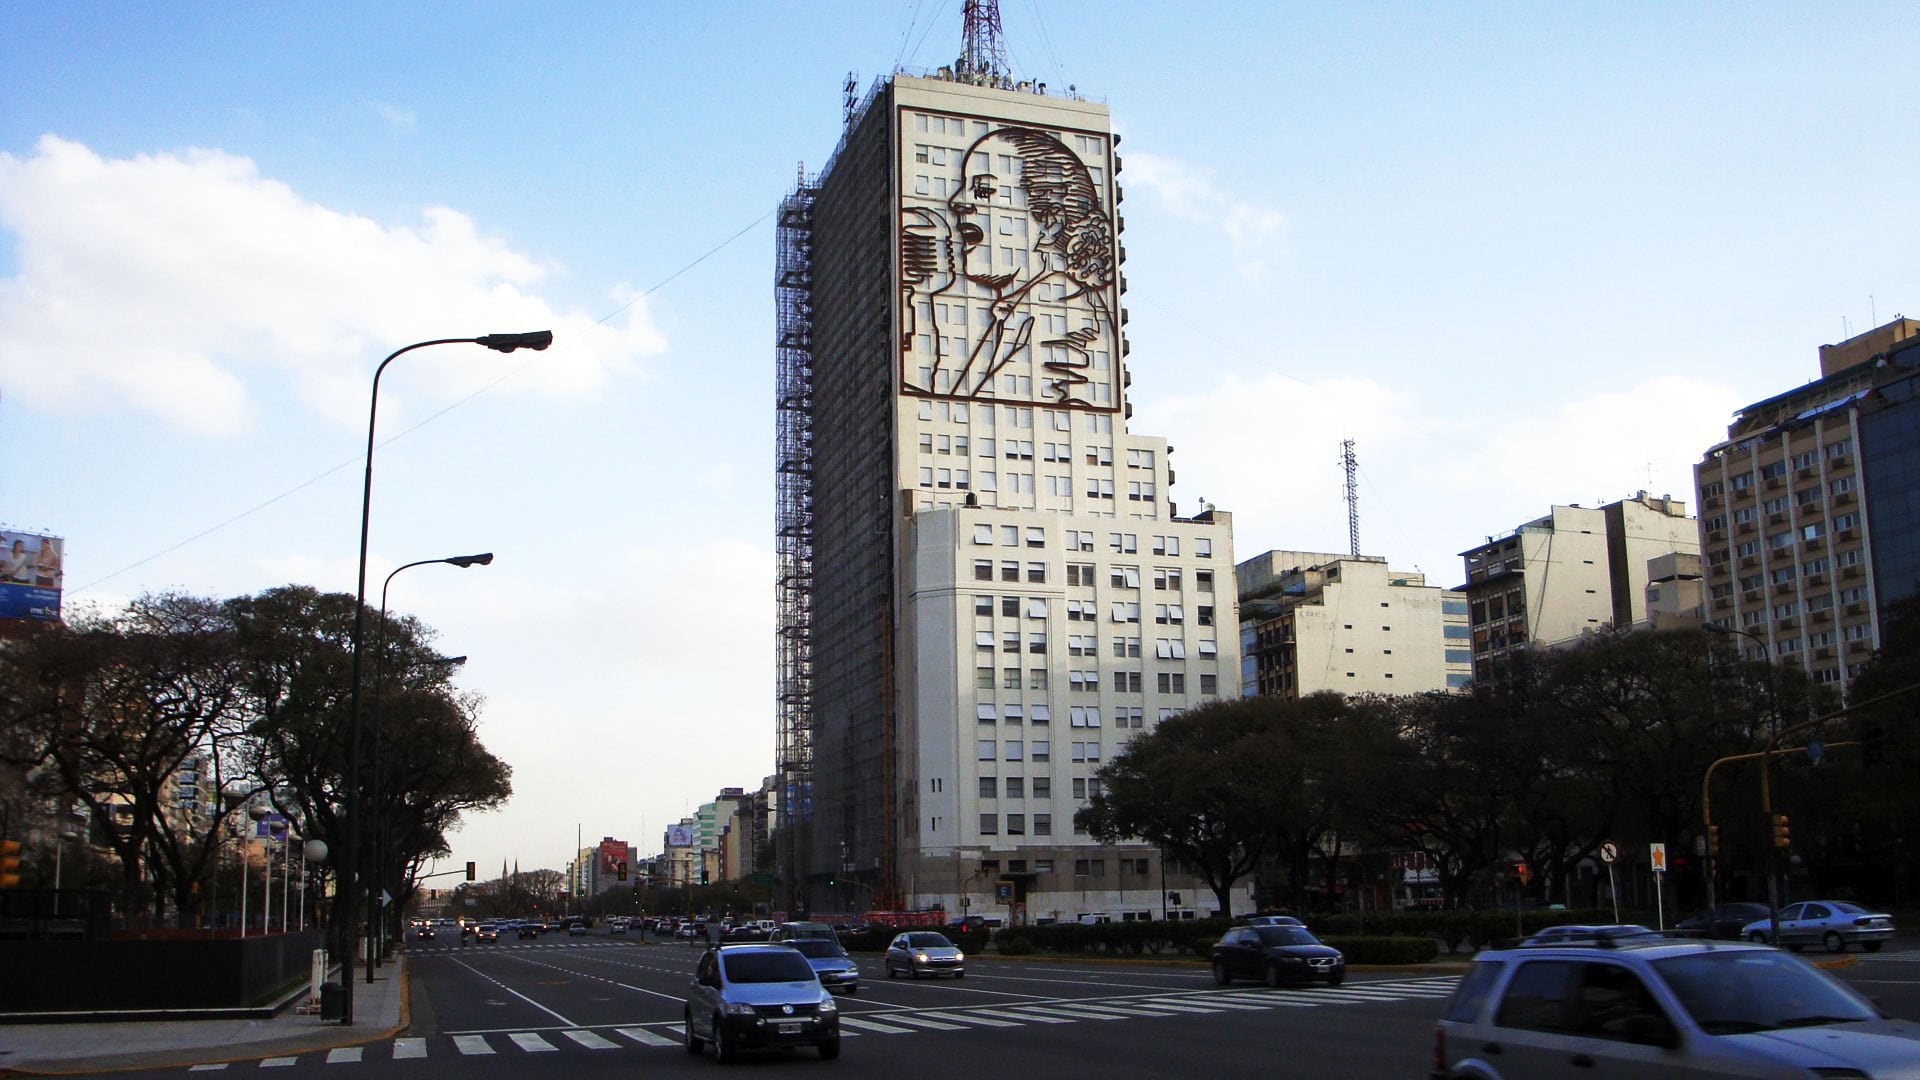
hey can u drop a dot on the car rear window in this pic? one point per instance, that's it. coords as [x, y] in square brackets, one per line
[817, 948]
[1471, 995]
[784, 965]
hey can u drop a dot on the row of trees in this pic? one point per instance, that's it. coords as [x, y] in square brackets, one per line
[1608, 740]
[103, 712]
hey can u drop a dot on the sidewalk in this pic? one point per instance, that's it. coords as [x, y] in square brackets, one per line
[379, 1012]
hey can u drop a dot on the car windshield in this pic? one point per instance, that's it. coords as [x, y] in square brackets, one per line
[817, 948]
[1731, 992]
[783, 965]
[928, 941]
[1285, 935]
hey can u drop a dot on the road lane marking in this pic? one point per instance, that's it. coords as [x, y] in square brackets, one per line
[208, 1068]
[409, 1048]
[874, 1026]
[973, 1018]
[1037, 1018]
[921, 1021]
[472, 1044]
[647, 1038]
[343, 1053]
[589, 1040]
[531, 1042]
[1076, 1012]
[277, 1063]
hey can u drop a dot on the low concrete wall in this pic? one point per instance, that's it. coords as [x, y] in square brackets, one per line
[58, 976]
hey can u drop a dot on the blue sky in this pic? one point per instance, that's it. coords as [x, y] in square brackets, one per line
[1522, 254]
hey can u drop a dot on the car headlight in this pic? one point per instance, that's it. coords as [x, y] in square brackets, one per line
[739, 1008]
[827, 1004]
[919, 958]
[958, 955]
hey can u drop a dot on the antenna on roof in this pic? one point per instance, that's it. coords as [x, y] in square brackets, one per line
[847, 100]
[983, 57]
[1351, 462]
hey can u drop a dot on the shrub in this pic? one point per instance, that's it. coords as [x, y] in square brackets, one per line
[1014, 944]
[1385, 950]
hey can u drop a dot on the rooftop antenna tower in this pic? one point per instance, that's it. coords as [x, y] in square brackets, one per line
[1351, 463]
[985, 53]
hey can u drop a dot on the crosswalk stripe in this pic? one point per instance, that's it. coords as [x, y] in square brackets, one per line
[472, 1044]
[648, 1038]
[921, 1021]
[531, 1042]
[873, 1026]
[341, 1054]
[1076, 1012]
[1182, 1006]
[277, 1063]
[409, 1048]
[1219, 1002]
[1036, 1017]
[216, 1067]
[589, 1040]
[974, 1018]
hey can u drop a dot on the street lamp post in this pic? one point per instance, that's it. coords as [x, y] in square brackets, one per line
[1766, 792]
[376, 924]
[350, 933]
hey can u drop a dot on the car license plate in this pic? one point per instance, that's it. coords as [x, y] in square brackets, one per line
[789, 1029]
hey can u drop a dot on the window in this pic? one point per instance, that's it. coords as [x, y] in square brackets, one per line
[1210, 684]
[1079, 574]
[1043, 826]
[1016, 824]
[1014, 750]
[1165, 580]
[1010, 678]
[1041, 750]
[1010, 606]
[1009, 571]
[989, 824]
[988, 787]
[1036, 536]
[1203, 547]
[1173, 682]
[1037, 573]
[1016, 787]
[1203, 580]
[983, 570]
[1125, 577]
[1043, 787]
[985, 749]
[1127, 682]
[983, 678]
[1205, 616]
[983, 534]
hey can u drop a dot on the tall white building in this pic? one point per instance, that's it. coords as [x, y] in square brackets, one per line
[985, 587]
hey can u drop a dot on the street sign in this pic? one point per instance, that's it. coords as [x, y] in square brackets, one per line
[1815, 749]
[1609, 851]
[1659, 855]
[1003, 891]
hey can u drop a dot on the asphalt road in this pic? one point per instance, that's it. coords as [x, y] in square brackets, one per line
[607, 1006]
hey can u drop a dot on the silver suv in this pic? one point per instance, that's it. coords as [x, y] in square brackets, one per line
[751, 997]
[1672, 1010]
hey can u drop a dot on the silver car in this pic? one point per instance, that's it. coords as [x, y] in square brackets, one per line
[924, 952]
[1667, 1009]
[1832, 924]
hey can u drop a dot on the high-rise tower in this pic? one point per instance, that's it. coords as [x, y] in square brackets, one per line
[985, 589]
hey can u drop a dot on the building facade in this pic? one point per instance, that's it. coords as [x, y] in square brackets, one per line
[1810, 510]
[1312, 622]
[987, 589]
[1575, 571]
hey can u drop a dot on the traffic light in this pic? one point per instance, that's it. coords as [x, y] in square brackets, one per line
[9, 863]
[1713, 840]
[1522, 872]
[1873, 744]
[470, 872]
[703, 875]
[1781, 838]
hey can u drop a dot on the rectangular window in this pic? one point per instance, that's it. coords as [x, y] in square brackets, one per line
[988, 787]
[989, 824]
[1043, 826]
[1043, 787]
[985, 748]
[1016, 787]
[1037, 573]
[1041, 749]
[983, 569]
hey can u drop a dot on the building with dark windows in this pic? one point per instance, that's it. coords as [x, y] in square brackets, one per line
[985, 587]
[1573, 572]
[1810, 510]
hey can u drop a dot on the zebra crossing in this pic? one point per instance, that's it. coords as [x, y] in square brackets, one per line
[884, 1022]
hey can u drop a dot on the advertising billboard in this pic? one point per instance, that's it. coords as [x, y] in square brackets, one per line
[31, 568]
[679, 836]
[613, 860]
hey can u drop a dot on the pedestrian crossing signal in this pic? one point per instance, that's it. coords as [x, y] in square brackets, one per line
[9, 863]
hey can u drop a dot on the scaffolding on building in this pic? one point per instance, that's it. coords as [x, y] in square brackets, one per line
[793, 450]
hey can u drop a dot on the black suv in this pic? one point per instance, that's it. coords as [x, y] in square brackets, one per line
[750, 997]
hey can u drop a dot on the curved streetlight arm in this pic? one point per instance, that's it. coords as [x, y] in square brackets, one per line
[349, 855]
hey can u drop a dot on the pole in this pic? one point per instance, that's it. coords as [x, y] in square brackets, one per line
[246, 864]
[266, 887]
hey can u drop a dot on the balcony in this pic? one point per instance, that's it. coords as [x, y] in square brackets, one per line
[1856, 609]
[1845, 535]
[1784, 588]
[1717, 536]
[1858, 646]
[1724, 603]
[1813, 544]
[1751, 596]
[1843, 498]
[1806, 473]
[1778, 517]
[1823, 615]
[1775, 483]
[1715, 502]
[1824, 652]
[1850, 571]
[1789, 623]
[1746, 526]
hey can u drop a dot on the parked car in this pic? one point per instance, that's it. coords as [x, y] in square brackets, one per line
[830, 962]
[1610, 935]
[1671, 1008]
[924, 952]
[1278, 955]
[1726, 922]
[1833, 924]
[749, 997]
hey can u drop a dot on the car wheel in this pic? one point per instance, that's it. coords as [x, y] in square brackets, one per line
[722, 1053]
[1757, 937]
[830, 1049]
[1220, 976]
[1336, 980]
[1834, 942]
[694, 1045]
[1871, 946]
[1273, 975]
[959, 974]
[891, 973]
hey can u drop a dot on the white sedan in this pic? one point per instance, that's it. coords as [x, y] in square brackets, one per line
[1832, 924]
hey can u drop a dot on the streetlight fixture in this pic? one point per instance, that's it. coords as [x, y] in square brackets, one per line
[1766, 792]
[376, 926]
[506, 343]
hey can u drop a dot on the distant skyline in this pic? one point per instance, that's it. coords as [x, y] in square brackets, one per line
[1522, 256]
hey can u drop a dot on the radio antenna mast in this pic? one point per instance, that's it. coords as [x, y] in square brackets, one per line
[1352, 465]
[985, 53]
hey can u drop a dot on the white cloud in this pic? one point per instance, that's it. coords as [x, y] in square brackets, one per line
[397, 118]
[1434, 481]
[1255, 232]
[166, 283]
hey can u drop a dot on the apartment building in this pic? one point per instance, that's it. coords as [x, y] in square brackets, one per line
[1312, 622]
